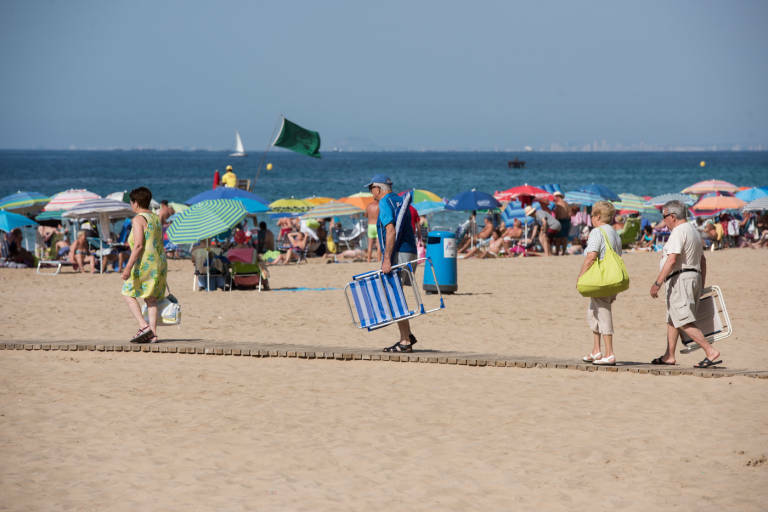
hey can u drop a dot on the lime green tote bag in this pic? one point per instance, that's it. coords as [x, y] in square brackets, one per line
[604, 278]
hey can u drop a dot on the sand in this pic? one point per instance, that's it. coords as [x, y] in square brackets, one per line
[116, 431]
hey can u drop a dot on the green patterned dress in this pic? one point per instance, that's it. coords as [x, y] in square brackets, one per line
[148, 276]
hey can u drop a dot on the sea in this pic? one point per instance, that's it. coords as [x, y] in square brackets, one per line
[179, 175]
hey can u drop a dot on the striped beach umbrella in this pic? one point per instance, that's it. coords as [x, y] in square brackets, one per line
[582, 198]
[205, 219]
[703, 187]
[24, 202]
[53, 215]
[599, 190]
[92, 208]
[69, 198]
[759, 204]
[635, 203]
[332, 209]
[658, 201]
[427, 207]
[315, 201]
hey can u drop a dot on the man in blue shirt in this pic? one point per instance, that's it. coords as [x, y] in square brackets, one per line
[396, 240]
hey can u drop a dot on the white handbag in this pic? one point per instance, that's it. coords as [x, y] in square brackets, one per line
[168, 310]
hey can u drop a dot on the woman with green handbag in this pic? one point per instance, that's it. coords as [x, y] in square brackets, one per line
[603, 239]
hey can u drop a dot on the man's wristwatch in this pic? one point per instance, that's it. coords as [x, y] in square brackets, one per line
[657, 284]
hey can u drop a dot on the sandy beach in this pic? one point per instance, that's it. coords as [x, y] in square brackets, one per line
[117, 431]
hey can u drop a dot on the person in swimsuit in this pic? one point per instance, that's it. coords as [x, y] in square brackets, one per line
[372, 210]
[80, 254]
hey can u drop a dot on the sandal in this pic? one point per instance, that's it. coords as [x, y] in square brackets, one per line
[142, 335]
[154, 339]
[399, 347]
[706, 363]
[605, 361]
[592, 357]
[412, 339]
[660, 360]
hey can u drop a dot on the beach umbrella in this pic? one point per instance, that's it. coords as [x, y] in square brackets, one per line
[205, 219]
[225, 193]
[759, 204]
[420, 195]
[747, 195]
[332, 209]
[703, 187]
[599, 190]
[526, 191]
[634, 203]
[252, 206]
[582, 198]
[119, 196]
[67, 199]
[289, 205]
[718, 203]
[314, 200]
[24, 202]
[178, 207]
[660, 200]
[427, 207]
[54, 215]
[361, 199]
[10, 221]
[470, 200]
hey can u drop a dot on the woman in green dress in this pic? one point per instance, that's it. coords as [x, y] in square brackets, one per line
[145, 273]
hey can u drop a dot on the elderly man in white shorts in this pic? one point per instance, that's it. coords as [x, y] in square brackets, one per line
[684, 269]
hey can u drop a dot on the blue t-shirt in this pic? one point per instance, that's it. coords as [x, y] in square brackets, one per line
[391, 211]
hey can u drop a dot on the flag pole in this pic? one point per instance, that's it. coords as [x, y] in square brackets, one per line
[264, 155]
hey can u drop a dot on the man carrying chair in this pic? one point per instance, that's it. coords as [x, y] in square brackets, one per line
[396, 241]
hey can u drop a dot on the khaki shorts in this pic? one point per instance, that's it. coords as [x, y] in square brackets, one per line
[683, 292]
[599, 314]
[405, 257]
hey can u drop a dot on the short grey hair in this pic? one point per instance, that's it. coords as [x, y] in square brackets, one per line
[384, 187]
[677, 208]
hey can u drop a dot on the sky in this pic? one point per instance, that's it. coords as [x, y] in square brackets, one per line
[382, 75]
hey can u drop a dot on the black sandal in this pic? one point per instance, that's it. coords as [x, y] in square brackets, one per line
[143, 335]
[706, 363]
[399, 347]
[660, 360]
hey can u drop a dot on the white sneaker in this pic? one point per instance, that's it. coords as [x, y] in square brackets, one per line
[605, 361]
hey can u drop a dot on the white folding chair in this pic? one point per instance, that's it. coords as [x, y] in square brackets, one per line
[711, 317]
[380, 299]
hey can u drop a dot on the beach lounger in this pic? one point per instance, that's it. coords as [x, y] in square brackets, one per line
[380, 299]
[711, 317]
[58, 264]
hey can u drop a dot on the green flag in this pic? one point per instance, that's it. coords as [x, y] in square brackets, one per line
[298, 139]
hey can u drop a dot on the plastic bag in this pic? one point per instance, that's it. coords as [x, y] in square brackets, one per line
[168, 311]
[604, 278]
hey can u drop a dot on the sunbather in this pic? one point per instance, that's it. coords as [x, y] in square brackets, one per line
[80, 254]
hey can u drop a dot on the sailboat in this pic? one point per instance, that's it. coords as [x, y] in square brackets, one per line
[239, 149]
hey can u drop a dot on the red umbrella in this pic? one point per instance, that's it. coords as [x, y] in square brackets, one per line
[523, 191]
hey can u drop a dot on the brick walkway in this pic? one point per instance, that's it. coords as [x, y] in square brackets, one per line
[243, 349]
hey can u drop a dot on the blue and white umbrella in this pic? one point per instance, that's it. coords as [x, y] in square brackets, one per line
[205, 220]
[10, 221]
[747, 195]
[427, 207]
[759, 204]
[599, 190]
[686, 199]
[472, 200]
[582, 198]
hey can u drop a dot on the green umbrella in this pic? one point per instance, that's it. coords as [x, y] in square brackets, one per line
[635, 203]
[205, 219]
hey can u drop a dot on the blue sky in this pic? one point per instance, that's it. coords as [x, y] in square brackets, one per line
[396, 74]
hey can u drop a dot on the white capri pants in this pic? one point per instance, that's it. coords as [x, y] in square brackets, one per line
[599, 315]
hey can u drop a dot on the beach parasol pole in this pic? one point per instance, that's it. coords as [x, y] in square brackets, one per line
[264, 155]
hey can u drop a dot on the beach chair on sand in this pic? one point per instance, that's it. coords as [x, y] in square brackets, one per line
[711, 317]
[56, 264]
[380, 299]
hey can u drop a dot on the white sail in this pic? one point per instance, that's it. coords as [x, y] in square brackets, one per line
[239, 149]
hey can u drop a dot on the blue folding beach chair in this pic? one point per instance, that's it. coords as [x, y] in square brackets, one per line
[380, 299]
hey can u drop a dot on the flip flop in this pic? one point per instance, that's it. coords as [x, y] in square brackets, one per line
[659, 360]
[706, 363]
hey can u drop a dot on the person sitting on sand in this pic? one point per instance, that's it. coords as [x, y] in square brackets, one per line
[298, 241]
[17, 252]
[80, 254]
[492, 250]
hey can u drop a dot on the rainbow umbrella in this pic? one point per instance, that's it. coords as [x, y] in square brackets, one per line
[420, 195]
[68, 199]
[24, 202]
[703, 187]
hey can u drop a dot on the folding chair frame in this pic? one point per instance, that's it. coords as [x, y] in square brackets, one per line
[409, 271]
[716, 294]
[233, 275]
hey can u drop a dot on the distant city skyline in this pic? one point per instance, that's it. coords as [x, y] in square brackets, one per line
[428, 75]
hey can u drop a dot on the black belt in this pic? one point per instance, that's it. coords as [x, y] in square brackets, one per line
[676, 272]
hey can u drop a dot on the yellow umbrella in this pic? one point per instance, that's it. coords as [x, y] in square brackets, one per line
[420, 195]
[315, 201]
[288, 205]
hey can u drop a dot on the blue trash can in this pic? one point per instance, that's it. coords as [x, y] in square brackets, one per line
[441, 249]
